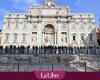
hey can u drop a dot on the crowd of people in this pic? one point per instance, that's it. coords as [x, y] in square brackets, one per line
[49, 50]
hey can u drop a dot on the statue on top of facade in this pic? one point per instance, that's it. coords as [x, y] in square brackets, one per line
[49, 3]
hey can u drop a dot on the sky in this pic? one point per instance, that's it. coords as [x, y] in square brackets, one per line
[77, 6]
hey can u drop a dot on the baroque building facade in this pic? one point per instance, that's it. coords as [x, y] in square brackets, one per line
[49, 25]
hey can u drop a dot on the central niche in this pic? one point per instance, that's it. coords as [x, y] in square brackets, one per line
[49, 35]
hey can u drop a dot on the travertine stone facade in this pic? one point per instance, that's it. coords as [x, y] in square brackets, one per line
[49, 25]
[98, 34]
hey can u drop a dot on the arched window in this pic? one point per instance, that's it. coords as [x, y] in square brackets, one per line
[74, 37]
[82, 36]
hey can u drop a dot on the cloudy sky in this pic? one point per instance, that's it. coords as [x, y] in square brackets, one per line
[77, 6]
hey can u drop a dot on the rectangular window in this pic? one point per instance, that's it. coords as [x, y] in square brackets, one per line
[64, 37]
[16, 23]
[34, 37]
[82, 37]
[24, 37]
[7, 35]
[74, 38]
[91, 37]
[15, 37]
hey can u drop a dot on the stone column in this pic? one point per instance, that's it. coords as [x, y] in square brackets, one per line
[69, 31]
[39, 34]
[54, 38]
[59, 32]
[43, 38]
[68, 35]
[29, 34]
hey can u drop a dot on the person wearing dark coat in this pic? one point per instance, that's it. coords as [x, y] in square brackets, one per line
[18, 50]
[23, 49]
[54, 49]
[28, 50]
[6, 50]
[71, 50]
[42, 49]
[1, 49]
[36, 50]
[10, 50]
[33, 49]
[59, 49]
[14, 49]
[97, 49]
[66, 50]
